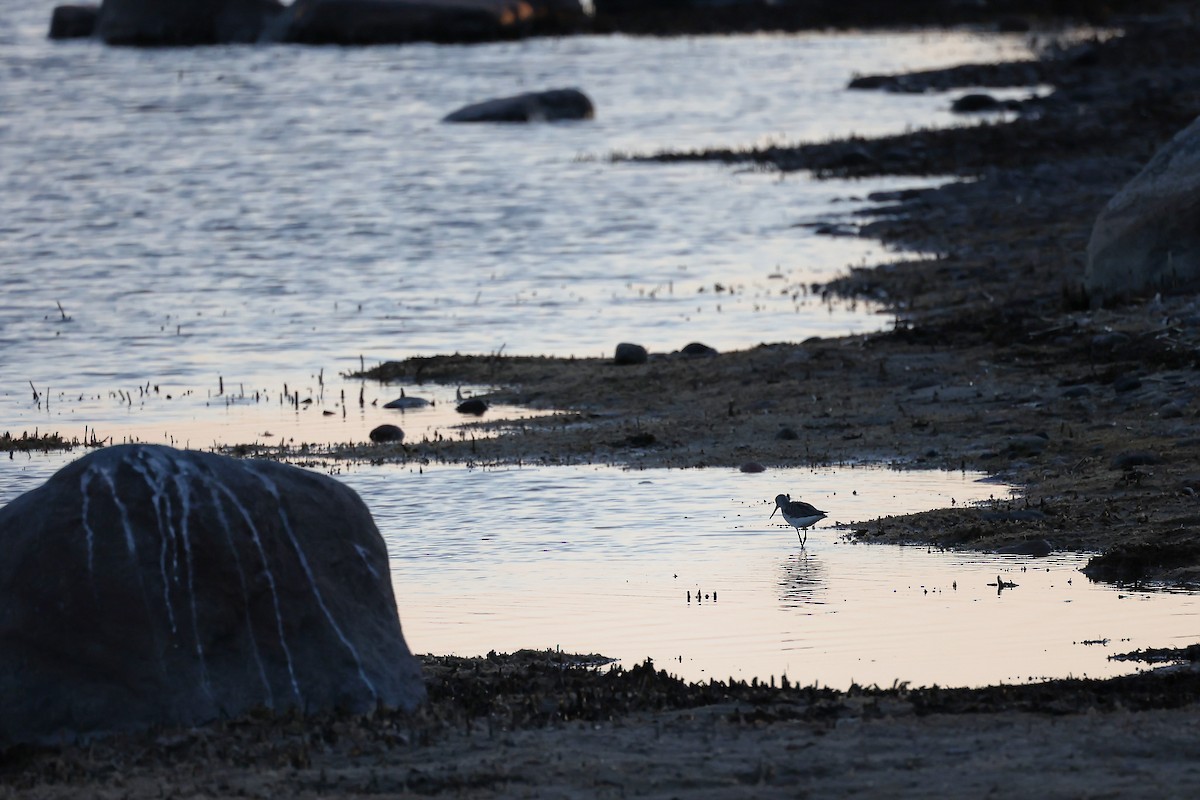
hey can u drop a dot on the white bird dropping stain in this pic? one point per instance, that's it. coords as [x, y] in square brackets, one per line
[312, 582]
[237, 562]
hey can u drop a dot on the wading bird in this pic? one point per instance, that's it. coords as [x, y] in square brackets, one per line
[797, 514]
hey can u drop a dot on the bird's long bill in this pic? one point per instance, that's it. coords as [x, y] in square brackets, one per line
[773, 511]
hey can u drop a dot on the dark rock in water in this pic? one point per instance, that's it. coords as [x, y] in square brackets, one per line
[145, 586]
[974, 103]
[1032, 547]
[751, 467]
[628, 353]
[547, 106]
[473, 406]
[407, 403]
[1135, 458]
[787, 434]
[870, 82]
[1134, 561]
[387, 433]
[186, 22]
[1147, 238]
[73, 22]
[698, 349]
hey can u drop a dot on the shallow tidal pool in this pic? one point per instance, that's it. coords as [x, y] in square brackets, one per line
[687, 568]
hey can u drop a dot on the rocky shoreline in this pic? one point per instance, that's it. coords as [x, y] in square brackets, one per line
[996, 363]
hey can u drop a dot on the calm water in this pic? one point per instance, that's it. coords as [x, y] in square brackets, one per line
[263, 214]
[602, 560]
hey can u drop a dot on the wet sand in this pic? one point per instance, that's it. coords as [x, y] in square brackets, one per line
[996, 364]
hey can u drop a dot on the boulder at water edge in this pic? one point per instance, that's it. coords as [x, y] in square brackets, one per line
[399, 21]
[144, 586]
[546, 106]
[73, 21]
[1147, 239]
[186, 22]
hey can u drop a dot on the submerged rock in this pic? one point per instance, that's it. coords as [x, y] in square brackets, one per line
[143, 586]
[406, 403]
[975, 103]
[547, 106]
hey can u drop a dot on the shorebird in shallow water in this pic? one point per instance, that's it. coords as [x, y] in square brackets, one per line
[797, 514]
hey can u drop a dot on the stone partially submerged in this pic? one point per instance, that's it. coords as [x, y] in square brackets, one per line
[547, 106]
[1147, 239]
[144, 586]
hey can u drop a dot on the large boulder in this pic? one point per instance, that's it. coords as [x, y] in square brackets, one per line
[349, 22]
[547, 106]
[73, 21]
[146, 586]
[186, 22]
[1147, 239]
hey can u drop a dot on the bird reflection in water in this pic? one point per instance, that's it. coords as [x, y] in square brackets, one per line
[802, 580]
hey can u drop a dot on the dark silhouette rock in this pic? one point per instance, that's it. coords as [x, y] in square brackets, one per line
[473, 406]
[406, 403]
[349, 22]
[975, 103]
[698, 349]
[1147, 238]
[73, 21]
[146, 586]
[186, 22]
[1029, 547]
[387, 433]
[548, 106]
[628, 353]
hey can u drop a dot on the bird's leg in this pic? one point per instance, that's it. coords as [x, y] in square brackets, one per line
[801, 538]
